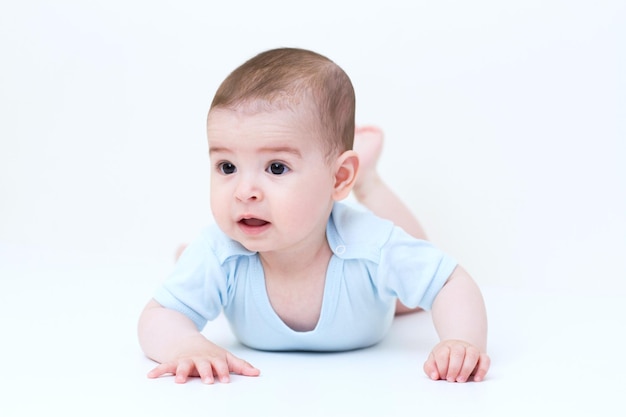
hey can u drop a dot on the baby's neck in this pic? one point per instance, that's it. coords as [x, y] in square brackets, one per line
[292, 264]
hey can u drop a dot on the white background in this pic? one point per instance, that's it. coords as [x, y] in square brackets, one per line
[506, 133]
[505, 122]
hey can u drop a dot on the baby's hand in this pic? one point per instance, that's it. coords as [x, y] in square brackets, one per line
[206, 360]
[456, 361]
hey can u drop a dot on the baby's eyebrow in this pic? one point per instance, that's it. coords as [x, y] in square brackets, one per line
[281, 149]
[266, 149]
[217, 149]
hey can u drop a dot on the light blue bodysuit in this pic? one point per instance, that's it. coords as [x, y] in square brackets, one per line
[373, 264]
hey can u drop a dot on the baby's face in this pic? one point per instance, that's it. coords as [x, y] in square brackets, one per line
[271, 182]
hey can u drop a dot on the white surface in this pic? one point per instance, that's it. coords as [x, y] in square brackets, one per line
[69, 346]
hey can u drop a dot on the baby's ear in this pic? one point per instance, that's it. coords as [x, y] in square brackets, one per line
[346, 169]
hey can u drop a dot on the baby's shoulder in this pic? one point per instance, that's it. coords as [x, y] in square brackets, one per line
[353, 228]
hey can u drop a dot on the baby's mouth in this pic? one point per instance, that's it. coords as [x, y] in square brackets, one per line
[253, 222]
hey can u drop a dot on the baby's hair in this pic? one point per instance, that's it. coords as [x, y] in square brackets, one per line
[286, 77]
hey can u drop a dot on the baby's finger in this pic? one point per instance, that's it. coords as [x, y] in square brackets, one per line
[220, 368]
[183, 370]
[457, 357]
[430, 368]
[442, 360]
[162, 369]
[205, 371]
[241, 367]
[483, 366]
[469, 364]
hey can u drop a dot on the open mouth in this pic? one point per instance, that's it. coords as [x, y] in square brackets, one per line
[253, 222]
[253, 226]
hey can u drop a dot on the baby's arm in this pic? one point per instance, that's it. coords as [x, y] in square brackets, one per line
[461, 321]
[173, 340]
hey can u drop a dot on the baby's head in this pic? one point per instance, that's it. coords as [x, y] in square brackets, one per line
[280, 132]
[297, 79]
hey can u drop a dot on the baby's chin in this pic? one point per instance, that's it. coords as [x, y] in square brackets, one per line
[248, 243]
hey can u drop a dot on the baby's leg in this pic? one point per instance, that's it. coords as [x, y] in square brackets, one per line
[373, 193]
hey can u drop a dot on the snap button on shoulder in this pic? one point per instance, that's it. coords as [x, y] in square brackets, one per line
[340, 249]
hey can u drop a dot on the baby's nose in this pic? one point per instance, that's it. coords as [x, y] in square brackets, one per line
[248, 189]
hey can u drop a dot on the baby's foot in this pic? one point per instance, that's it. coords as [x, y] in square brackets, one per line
[368, 143]
[179, 251]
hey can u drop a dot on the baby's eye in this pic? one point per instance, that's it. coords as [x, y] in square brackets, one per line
[227, 168]
[277, 168]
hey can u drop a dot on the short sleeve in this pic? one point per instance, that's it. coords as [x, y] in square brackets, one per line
[413, 270]
[197, 287]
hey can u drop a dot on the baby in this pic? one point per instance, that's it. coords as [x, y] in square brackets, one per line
[290, 266]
